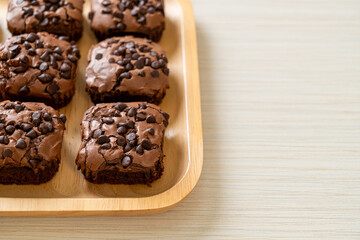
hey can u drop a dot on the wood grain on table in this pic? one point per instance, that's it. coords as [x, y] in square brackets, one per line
[280, 85]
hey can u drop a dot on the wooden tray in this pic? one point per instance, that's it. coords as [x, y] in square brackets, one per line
[69, 194]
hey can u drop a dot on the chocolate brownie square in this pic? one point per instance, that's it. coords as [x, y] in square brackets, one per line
[30, 142]
[61, 17]
[127, 69]
[38, 67]
[122, 143]
[141, 18]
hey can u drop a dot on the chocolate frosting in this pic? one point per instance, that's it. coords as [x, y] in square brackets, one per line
[62, 17]
[30, 135]
[33, 66]
[127, 16]
[115, 132]
[144, 62]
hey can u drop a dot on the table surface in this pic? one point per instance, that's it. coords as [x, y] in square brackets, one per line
[280, 88]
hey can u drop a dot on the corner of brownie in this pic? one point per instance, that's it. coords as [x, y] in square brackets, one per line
[30, 142]
[38, 67]
[122, 143]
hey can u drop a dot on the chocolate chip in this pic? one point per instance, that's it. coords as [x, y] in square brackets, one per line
[126, 75]
[151, 10]
[146, 144]
[4, 140]
[10, 129]
[142, 105]
[106, 146]
[24, 59]
[25, 126]
[141, 73]
[44, 22]
[147, 62]
[106, 3]
[31, 52]
[150, 119]
[127, 147]
[20, 69]
[131, 136]
[166, 71]
[139, 150]
[126, 161]
[129, 67]
[44, 66]
[121, 141]
[18, 107]
[140, 116]
[166, 116]
[66, 75]
[49, 126]
[38, 44]
[130, 45]
[130, 124]
[118, 14]
[47, 117]
[120, 106]
[27, 45]
[131, 112]
[62, 118]
[155, 74]
[14, 51]
[151, 131]
[134, 11]
[165, 122]
[45, 78]
[52, 88]
[107, 10]
[31, 134]
[9, 105]
[108, 120]
[97, 133]
[98, 56]
[24, 90]
[36, 115]
[155, 64]
[102, 139]
[121, 130]
[135, 56]
[65, 67]
[2, 126]
[31, 37]
[39, 15]
[121, 26]
[139, 64]
[7, 153]
[20, 143]
[34, 162]
[141, 20]
[45, 56]
[143, 10]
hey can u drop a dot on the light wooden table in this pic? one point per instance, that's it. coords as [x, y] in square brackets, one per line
[280, 91]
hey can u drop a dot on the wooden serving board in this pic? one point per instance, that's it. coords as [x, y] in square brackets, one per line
[69, 193]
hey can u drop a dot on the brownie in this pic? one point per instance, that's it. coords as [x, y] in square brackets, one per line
[61, 17]
[38, 67]
[122, 143]
[141, 18]
[127, 69]
[30, 142]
